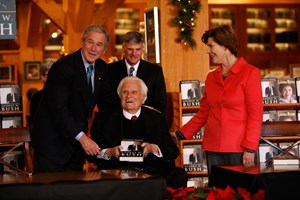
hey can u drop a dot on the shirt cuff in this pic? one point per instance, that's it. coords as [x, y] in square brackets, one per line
[160, 154]
[79, 135]
[102, 155]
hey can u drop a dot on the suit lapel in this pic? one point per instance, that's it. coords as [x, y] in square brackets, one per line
[141, 70]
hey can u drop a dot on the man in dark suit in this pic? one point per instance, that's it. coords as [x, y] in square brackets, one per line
[151, 74]
[36, 97]
[194, 157]
[134, 147]
[193, 92]
[109, 128]
[13, 96]
[270, 90]
[60, 127]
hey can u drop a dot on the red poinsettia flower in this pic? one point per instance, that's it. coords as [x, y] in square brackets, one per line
[213, 193]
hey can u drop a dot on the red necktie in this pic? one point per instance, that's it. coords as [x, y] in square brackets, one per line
[133, 118]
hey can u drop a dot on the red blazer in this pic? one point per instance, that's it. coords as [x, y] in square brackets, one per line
[231, 111]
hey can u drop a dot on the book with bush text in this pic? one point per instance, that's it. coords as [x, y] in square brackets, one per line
[131, 151]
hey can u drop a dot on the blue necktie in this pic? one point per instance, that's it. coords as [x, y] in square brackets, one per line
[131, 71]
[89, 80]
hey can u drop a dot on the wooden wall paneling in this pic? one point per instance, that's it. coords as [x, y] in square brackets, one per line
[178, 62]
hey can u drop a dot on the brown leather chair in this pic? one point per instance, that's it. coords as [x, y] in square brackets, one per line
[15, 138]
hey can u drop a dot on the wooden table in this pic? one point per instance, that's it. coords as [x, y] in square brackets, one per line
[103, 184]
[283, 184]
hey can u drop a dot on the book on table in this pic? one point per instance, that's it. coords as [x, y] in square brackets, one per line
[131, 151]
[291, 167]
[285, 160]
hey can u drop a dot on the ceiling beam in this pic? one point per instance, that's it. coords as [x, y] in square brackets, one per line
[34, 21]
[107, 8]
[81, 13]
[54, 11]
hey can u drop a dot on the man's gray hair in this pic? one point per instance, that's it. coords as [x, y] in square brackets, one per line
[143, 86]
[98, 29]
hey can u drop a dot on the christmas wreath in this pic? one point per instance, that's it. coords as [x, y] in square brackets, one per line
[186, 20]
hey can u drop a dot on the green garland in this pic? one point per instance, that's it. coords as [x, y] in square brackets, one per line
[186, 20]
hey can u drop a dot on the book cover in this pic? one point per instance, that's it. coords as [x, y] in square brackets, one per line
[287, 90]
[290, 147]
[192, 160]
[190, 92]
[298, 88]
[202, 88]
[10, 98]
[185, 118]
[290, 167]
[11, 122]
[266, 152]
[14, 158]
[132, 151]
[298, 115]
[270, 116]
[286, 115]
[269, 90]
[285, 160]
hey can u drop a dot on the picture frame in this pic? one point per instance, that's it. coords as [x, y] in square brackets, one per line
[294, 70]
[7, 73]
[152, 41]
[32, 70]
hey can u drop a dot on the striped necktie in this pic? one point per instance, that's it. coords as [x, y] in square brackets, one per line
[131, 71]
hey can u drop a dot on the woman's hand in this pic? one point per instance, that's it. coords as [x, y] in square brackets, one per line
[248, 159]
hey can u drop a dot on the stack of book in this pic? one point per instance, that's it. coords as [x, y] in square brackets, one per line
[285, 162]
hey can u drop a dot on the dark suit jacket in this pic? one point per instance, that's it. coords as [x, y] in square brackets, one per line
[192, 94]
[268, 91]
[151, 74]
[192, 158]
[34, 103]
[107, 131]
[132, 147]
[9, 98]
[63, 110]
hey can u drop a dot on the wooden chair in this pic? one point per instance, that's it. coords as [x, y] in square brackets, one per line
[14, 138]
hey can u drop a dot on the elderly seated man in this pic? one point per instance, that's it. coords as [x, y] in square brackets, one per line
[110, 128]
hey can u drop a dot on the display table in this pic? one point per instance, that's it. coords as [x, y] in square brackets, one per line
[103, 184]
[277, 184]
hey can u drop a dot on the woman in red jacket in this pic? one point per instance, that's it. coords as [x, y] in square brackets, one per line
[231, 109]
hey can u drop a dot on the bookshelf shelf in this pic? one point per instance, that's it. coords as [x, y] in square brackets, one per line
[290, 106]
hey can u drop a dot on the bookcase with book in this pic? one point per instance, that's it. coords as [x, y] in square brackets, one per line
[276, 129]
[11, 116]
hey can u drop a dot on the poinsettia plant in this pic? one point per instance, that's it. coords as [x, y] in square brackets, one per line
[213, 193]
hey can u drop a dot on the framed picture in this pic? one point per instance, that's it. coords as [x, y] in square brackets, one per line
[152, 35]
[32, 70]
[294, 70]
[7, 74]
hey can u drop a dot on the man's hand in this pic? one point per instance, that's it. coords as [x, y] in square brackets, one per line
[113, 152]
[150, 148]
[90, 147]
[174, 138]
